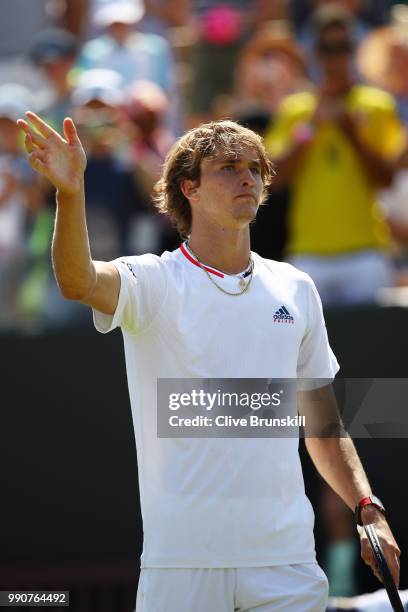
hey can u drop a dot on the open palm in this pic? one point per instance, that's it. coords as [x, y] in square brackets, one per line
[61, 160]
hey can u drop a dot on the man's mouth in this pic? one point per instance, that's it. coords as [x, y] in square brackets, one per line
[247, 195]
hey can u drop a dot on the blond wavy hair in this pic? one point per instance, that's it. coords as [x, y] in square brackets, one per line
[184, 159]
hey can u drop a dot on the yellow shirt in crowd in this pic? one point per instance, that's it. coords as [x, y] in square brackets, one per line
[333, 202]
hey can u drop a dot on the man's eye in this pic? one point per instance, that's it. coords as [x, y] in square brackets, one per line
[256, 170]
[228, 168]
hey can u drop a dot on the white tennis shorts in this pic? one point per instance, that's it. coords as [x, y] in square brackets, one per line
[287, 588]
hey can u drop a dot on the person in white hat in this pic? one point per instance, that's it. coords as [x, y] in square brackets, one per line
[120, 47]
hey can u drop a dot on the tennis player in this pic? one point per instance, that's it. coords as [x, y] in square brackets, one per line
[227, 524]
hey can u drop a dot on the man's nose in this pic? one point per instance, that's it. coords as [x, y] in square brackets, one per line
[247, 177]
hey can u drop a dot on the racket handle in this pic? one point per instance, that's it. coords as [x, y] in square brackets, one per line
[386, 575]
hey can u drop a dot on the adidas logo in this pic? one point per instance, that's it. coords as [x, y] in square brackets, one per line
[283, 316]
[129, 267]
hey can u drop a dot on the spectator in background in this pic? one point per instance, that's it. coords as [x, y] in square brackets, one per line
[335, 148]
[19, 197]
[113, 196]
[394, 203]
[359, 30]
[269, 68]
[171, 19]
[222, 28]
[146, 107]
[134, 55]
[382, 58]
[160, 15]
[55, 51]
[373, 12]
[359, 27]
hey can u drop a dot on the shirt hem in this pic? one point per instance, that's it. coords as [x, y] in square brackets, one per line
[229, 563]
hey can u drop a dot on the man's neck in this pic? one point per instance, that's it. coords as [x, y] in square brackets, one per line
[224, 249]
[338, 85]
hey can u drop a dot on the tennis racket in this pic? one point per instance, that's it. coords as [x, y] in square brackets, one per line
[388, 581]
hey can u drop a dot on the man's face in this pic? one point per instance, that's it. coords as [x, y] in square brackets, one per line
[9, 134]
[119, 31]
[57, 70]
[230, 189]
[335, 49]
[353, 6]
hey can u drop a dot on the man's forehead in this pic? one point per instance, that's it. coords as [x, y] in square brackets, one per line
[242, 154]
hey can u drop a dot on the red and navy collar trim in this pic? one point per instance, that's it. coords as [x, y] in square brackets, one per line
[196, 263]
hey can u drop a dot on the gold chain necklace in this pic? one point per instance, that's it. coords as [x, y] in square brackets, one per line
[245, 285]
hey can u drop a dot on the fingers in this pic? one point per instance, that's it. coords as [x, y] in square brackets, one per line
[38, 158]
[44, 129]
[368, 556]
[394, 565]
[35, 147]
[370, 560]
[37, 163]
[70, 132]
[391, 554]
[31, 137]
[397, 571]
[28, 143]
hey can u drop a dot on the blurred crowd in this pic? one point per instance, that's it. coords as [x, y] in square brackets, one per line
[325, 82]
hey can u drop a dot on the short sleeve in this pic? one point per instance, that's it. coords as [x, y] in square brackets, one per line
[278, 137]
[295, 110]
[316, 359]
[395, 141]
[142, 292]
[383, 130]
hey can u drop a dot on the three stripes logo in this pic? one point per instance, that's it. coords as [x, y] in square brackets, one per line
[283, 316]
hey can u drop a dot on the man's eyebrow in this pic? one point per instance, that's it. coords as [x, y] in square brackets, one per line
[225, 160]
[235, 160]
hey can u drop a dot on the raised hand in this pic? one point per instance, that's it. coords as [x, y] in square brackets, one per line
[61, 160]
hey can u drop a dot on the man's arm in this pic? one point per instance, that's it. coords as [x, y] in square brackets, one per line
[335, 457]
[63, 162]
[95, 283]
[288, 163]
[379, 170]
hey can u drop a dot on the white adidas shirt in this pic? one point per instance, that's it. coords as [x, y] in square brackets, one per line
[235, 502]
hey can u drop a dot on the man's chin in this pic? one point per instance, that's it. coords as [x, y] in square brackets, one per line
[246, 214]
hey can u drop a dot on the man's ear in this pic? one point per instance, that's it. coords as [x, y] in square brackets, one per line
[189, 189]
